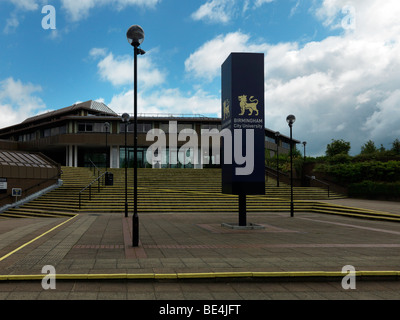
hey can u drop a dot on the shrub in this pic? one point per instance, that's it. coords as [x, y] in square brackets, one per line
[339, 158]
[346, 173]
[375, 190]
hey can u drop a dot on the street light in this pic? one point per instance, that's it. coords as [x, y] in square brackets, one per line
[304, 144]
[277, 135]
[290, 119]
[106, 126]
[135, 36]
[125, 120]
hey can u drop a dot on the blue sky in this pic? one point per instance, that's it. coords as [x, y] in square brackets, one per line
[334, 64]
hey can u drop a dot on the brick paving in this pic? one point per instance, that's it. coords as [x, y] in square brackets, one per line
[181, 243]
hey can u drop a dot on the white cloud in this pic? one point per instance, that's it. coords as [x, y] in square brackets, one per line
[119, 70]
[78, 9]
[223, 11]
[259, 3]
[11, 24]
[21, 6]
[207, 60]
[385, 120]
[294, 9]
[18, 101]
[215, 11]
[171, 101]
[342, 87]
[98, 52]
[334, 87]
[27, 5]
[373, 19]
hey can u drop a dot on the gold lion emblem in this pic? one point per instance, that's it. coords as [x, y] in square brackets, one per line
[244, 105]
[226, 110]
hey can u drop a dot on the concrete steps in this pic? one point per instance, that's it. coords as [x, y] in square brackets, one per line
[175, 190]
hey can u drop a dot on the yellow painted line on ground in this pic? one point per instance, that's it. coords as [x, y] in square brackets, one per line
[33, 240]
[209, 275]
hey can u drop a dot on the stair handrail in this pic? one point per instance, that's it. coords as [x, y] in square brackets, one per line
[274, 173]
[90, 187]
[92, 164]
[24, 191]
[320, 181]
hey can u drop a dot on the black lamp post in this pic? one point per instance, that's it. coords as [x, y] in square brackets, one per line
[135, 36]
[290, 119]
[304, 144]
[106, 126]
[125, 120]
[277, 135]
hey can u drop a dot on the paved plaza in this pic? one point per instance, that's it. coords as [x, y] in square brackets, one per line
[191, 256]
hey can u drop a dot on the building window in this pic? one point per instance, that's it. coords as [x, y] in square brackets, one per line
[142, 127]
[141, 157]
[92, 127]
[182, 126]
[165, 127]
[46, 133]
[269, 139]
[210, 126]
[85, 127]
[285, 145]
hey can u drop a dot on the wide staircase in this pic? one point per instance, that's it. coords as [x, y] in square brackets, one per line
[171, 190]
[177, 190]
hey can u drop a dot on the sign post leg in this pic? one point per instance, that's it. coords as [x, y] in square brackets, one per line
[242, 210]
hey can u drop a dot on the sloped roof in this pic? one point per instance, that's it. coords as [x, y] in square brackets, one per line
[20, 158]
[93, 106]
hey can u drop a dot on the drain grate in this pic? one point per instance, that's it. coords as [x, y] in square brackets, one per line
[99, 246]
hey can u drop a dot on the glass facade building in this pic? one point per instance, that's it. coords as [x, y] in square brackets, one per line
[77, 136]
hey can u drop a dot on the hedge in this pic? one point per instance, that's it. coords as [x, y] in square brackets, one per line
[375, 190]
[347, 173]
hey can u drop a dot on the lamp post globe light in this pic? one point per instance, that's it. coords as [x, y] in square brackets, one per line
[290, 119]
[135, 37]
[304, 144]
[277, 135]
[125, 120]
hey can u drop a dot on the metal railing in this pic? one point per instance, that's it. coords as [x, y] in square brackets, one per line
[89, 186]
[273, 172]
[95, 168]
[170, 115]
[312, 178]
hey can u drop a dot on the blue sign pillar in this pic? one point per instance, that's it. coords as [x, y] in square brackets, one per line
[242, 111]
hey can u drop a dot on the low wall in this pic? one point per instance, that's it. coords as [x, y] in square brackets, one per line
[29, 177]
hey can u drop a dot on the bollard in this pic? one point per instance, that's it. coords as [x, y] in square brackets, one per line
[135, 230]
[242, 210]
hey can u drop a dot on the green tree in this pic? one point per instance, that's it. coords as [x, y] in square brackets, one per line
[396, 146]
[368, 148]
[337, 147]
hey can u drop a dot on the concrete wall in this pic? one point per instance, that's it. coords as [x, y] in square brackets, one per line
[29, 178]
